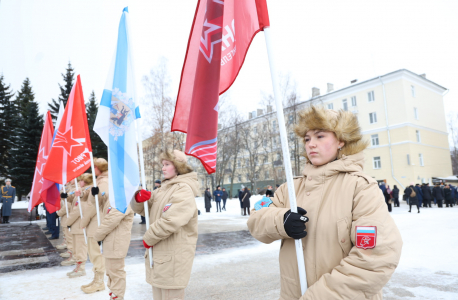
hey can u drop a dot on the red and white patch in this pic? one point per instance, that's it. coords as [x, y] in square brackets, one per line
[366, 237]
[108, 210]
[166, 207]
[76, 204]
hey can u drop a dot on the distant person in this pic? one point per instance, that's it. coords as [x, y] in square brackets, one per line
[412, 196]
[269, 192]
[448, 193]
[246, 201]
[427, 195]
[240, 200]
[438, 194]
[385, 195]
[419, 194]
[7, 198]
[395, 194]
[218, 194]
[208, 200]
[224, 197]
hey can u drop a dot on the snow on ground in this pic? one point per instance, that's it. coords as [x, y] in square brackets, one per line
[428, 268]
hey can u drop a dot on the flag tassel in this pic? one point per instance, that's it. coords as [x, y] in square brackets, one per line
[285, 150]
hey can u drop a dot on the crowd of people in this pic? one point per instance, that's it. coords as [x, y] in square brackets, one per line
[422, 195]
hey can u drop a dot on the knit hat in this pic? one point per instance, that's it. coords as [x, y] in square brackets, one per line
[343, 123]
[178, 159]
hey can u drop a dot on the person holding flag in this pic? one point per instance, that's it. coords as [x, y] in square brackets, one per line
[62, 213]
[90, 222]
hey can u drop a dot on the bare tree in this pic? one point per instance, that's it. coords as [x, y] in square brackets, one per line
[453, 126]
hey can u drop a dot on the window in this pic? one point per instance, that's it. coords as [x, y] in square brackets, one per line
[412, 88]
[274, 142]
[274, 126]
[238, 164]
[255, 144]
[247, 177]
[420, 156]
[266, 175]
[415, 113]
[374, 140]
[330, 106]
[256, 161]
[370, 96]
[377, 162]
[255, 130]
[278, 156]
[373, 117]
[353, 101]
[344, 104]
[230, 178]
[247, 162]
[418, 136]
[239, 178]
[265, 160]
[290, 118]
[264, 143]
[408, 159]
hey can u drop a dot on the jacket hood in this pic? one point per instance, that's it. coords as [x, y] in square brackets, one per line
[346, 164]
[189, 178]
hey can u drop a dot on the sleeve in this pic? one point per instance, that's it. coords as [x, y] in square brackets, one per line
[89, 211]
[266, 224]
[61, 212]
[183, 207]
[73, 216]
[109, 223]
[364, 272]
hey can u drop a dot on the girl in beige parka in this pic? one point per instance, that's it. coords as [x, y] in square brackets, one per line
[352, 245]
[172, 230]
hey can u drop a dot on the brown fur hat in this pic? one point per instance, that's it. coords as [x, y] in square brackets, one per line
[101, 164]
[87, 178]
[178, 159]
[343, 123]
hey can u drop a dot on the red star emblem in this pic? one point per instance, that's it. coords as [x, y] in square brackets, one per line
[66, 141]
[263, 202]
[41, 162]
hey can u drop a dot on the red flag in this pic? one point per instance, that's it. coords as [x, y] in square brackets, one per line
[69, 155]
[43, 151]
[221, 34]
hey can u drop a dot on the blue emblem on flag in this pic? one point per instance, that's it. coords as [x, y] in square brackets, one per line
[264, 202]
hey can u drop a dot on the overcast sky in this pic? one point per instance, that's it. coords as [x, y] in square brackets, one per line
[315, 41]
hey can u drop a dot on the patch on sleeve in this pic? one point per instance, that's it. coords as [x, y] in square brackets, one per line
[103, 193]
[166, 207]
[264, 202]
[366, 237]
[76, 204]
[108, 210]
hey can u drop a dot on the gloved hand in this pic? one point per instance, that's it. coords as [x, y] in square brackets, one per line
[142, 196]
[294, 223]
[63, 195]
[100, 243]
[95, 190]
[146, 245]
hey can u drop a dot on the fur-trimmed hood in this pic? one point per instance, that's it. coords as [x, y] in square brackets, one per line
[178, 159]
[343, 123]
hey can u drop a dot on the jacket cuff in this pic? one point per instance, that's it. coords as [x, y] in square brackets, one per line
[279, 222]
[150, 238]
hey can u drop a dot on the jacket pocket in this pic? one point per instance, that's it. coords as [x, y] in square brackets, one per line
[343, 234]
[163, 266]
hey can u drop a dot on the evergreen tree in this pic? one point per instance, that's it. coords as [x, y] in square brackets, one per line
[69, 78]
[99, 149]
[28, 135]
[9, 120]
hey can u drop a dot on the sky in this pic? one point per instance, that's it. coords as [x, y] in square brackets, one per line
[315, 42]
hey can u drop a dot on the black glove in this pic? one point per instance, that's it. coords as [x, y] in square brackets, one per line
[295, 223]
[100, 243]
[95, 190]
[63, 195]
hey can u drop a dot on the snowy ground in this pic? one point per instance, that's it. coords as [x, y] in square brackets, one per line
[428, 267]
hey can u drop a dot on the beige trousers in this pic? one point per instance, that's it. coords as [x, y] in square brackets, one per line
[80, 248]
[97, 260]
[164, 294]
[116, 276]
[68, 237]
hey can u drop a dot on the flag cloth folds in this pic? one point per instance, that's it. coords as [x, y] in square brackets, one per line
[69, 156]
[42, 157]
[116, 119]
[221, 34]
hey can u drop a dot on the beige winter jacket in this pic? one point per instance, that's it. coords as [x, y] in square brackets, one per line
[62, 212]
[338, 197]
[115, 231]
[90, 213]
[172, 231]
[74, 219]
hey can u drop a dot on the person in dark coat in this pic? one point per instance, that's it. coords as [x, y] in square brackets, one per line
[419, 194]
[427, 195]
[224, 197]
[246, 201]
[240, 199]
[448, 193]
[218, 194]
[438, 194]
[208, 200]
[454, 193]
[395, 195]
[412, 195]
[386, 195]
[269, 192]
[7, 199]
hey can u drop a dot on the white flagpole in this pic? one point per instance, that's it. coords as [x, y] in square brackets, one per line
[286, 157]
[96, 196]
[142, 170]
[81, 211]
[66, 206]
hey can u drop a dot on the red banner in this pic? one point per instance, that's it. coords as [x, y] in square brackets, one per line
[221, 34]
[69, 155]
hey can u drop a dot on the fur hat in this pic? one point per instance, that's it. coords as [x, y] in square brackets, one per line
[87, 178]
[344, 124]
[101, 164]
[178, 159]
